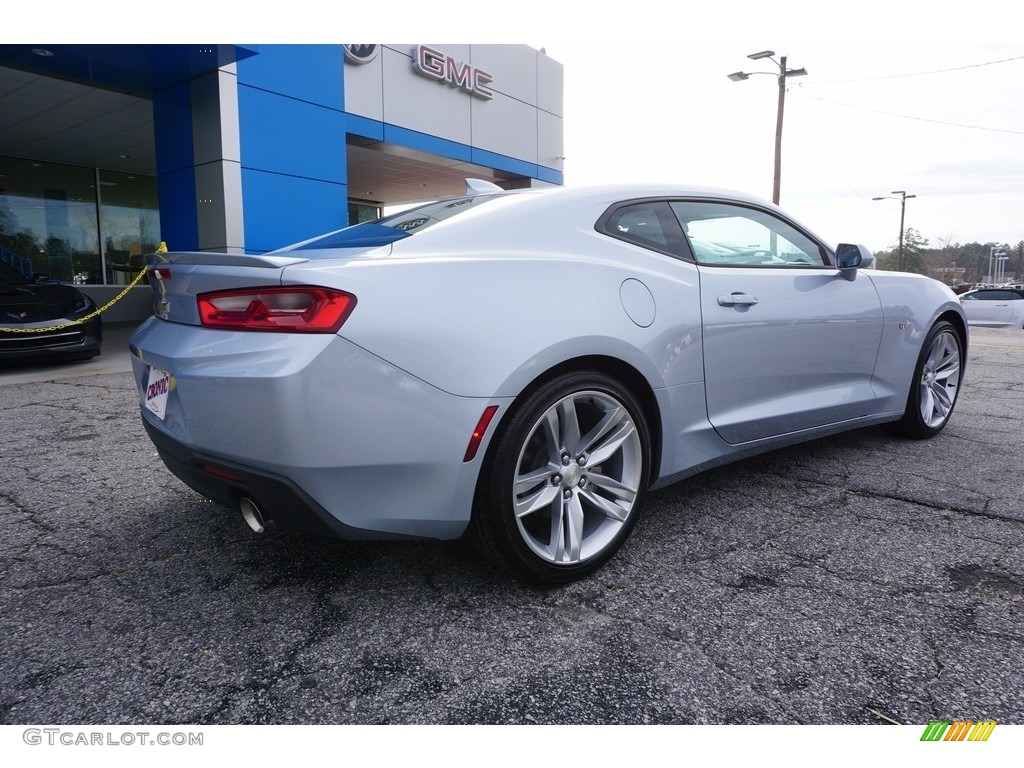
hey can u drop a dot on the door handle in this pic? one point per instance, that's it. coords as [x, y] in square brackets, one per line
[737, 300]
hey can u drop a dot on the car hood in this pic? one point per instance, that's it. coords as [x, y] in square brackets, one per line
[31, 303]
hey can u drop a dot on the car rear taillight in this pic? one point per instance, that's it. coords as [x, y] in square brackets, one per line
[292, 309]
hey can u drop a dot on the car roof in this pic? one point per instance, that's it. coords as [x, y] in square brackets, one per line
[624, 191]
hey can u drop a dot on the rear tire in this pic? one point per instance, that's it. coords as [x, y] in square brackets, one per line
[935, 386]
[563, 478]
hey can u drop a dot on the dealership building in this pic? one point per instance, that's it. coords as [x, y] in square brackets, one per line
[108, 150]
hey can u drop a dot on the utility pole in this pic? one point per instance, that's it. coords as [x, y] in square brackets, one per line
[903, 197]
[784, 73]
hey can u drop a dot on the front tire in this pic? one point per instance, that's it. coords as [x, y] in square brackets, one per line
[936, 384]
[562, 481]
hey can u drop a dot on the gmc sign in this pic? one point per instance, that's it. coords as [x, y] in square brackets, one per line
[436, 65]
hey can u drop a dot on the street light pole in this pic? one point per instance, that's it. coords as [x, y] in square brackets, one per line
[903, 197]
[993, 263]
[784, 73]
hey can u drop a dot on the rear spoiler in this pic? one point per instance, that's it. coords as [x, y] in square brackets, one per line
[222, 259]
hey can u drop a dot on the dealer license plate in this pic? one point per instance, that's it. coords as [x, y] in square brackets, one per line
[155, 396]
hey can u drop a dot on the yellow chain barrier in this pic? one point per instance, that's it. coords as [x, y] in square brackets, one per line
[81, 320]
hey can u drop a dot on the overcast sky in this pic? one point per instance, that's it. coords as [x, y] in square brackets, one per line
[914, 95]
[942, 122]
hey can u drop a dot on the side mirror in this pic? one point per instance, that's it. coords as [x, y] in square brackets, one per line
[850, 258]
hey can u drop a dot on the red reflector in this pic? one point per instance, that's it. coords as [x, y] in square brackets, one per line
[292, 309]
[479, 432]
[162, 273]
[223, 473]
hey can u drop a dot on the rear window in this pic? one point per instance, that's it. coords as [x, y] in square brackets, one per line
[397, 226]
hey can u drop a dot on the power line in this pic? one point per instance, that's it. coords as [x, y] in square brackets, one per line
[910, 74]
[912, 117]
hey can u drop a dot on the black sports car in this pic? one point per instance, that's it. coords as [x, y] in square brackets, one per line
[27, 304]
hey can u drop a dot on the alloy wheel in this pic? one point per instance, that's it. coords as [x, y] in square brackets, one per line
[577, 477]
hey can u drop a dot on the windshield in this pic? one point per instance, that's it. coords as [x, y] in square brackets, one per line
[395, 227]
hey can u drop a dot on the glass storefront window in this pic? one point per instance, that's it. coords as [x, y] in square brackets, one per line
[49, 223]
[48, 218]
[130, 223]
[360, 212]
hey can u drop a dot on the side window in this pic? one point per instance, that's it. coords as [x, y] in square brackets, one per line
[639, 223]
[995, 295]
[724, 234]
[649, 223]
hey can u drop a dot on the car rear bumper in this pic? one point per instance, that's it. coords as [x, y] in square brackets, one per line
[360, 448]
[227, 483]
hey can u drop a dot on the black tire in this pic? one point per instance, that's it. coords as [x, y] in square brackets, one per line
[935, 385]
[554, 508]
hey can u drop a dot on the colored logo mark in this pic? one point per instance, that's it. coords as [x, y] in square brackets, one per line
[958, 730]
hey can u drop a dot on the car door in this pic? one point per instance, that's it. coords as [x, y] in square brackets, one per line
[789, 343]
[988, 307]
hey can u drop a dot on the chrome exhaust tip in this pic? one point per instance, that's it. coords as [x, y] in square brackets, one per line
[252, 514]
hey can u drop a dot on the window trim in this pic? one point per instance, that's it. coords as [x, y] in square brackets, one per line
[673, 231]
[982, 293]
[601, 225]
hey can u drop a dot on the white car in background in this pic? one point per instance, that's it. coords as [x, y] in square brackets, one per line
[994, 307]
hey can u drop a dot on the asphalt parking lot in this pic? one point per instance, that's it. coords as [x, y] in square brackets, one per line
[856, 579]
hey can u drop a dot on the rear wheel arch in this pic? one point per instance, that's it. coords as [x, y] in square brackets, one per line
[959, 324]
[618, 369]
[551, 510]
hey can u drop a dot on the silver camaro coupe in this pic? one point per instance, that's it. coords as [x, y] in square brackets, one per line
[521, 367]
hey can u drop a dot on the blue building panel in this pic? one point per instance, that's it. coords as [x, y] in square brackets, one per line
[365, 127]
[312, 73]
[283, 135]
[280, 210]
[292, 126]
[139, 68]
[550, 175]
[179, 217]
[503, 163]
[172, 129]
[292, 129]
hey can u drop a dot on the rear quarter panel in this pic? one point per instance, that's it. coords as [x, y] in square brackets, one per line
[484, 321]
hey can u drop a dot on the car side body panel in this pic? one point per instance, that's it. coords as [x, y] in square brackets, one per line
[373, 422]
[769, 370]
[911, 305]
